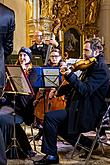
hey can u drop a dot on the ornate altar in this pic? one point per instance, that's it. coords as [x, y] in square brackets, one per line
[78, 20]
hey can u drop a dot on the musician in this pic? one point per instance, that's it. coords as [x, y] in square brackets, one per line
[85, 104]
[40, 47]
[23, 108]
[55, 60]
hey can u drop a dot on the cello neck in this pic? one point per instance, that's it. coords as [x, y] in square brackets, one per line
[49, 50]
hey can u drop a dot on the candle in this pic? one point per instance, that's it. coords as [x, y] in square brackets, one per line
[102, 40]
[60, 35]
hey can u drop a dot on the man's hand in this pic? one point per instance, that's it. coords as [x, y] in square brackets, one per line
[53, 42]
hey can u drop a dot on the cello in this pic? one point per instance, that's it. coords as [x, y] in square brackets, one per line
[43, 103]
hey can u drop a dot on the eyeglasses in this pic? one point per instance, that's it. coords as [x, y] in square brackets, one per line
[54, 56]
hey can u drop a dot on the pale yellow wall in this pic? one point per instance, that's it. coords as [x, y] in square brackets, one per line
[1, 1]
[19, 6]
[104, 26]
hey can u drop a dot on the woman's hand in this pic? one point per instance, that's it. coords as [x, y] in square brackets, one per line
[35, 103]
[52, 93]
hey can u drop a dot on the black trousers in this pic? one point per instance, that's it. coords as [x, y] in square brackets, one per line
[3, 160]
[6, 126]
[55, 123]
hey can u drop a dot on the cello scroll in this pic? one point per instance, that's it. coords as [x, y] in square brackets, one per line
[55, 28]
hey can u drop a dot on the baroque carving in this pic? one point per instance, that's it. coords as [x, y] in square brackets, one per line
[70, 13]
[47, 8]
[66, 10]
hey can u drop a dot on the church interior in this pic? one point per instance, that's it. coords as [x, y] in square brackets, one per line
[79, 19]
[82, 18]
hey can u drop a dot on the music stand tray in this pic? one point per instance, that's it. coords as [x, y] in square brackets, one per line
[45, 77]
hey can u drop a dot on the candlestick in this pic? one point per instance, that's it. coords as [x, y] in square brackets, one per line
[102, 40]
[60, 35]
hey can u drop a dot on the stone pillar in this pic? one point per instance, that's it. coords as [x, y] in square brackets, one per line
[104, 27]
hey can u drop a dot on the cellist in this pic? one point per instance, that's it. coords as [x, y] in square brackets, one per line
[55, 60]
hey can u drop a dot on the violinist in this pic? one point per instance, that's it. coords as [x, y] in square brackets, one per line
[24, 111]
[85, 104]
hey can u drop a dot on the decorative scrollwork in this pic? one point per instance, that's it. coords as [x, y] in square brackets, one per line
[66, 10]
[70, 14]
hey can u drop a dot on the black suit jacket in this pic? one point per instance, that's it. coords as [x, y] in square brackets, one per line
[7, 27]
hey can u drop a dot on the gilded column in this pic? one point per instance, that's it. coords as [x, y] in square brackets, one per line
[37, 3]
[46, 17]
[32, 19]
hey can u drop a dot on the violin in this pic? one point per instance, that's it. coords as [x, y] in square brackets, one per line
[79, 65]
[83, 64]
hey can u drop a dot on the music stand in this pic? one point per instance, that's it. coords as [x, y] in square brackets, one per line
[45, 77]
[17, 84]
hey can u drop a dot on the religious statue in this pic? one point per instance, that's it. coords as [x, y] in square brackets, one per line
[91, 11]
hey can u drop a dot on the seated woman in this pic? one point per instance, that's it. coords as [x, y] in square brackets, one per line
[55, 60]
[24, 110]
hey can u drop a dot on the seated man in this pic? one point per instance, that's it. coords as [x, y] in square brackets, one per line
[23, 108]
[85, 103]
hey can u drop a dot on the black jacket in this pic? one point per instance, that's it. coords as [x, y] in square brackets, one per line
[39, 51]
[7, 27]
[86, 99]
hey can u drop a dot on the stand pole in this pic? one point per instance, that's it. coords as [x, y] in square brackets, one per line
[40, 132]
[14, 144]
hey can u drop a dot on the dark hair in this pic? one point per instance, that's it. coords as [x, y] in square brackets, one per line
[55, 50]
[95, 43]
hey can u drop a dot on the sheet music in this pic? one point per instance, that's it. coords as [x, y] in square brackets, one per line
[51, 77]
[42, 77]
[17, 76]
